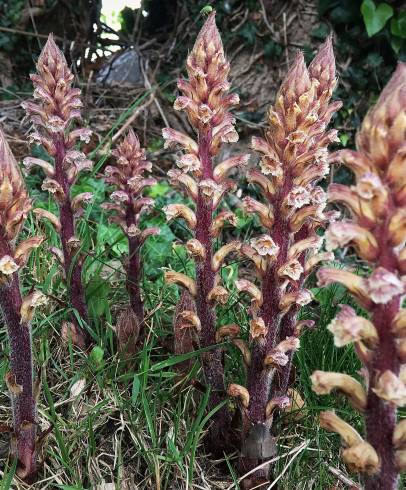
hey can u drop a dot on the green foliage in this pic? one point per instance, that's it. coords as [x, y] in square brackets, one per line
[367, 35]
[375, 16]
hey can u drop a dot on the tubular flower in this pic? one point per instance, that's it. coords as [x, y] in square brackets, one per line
[128, 179]
[376, 231]
[206, 100]
[293, 158]
[55, 107]
[17, 312]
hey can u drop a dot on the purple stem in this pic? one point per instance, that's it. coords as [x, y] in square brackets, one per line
[381, 415]
[21, 362]
[72, 264]
[259, 379]
[134, 271]
[205, 281]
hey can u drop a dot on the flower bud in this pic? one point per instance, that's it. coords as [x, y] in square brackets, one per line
[348, 327]
[391, 388]
[224, 331]
[361, 458]
[172, 277]
[238, 391]
[324, 382]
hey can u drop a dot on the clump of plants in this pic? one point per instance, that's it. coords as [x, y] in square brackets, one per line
[275, 268]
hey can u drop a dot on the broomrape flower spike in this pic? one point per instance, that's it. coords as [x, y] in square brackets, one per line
[56, 106]
[293, 159]
[17, 312]
[127, 176]
[377, 234]
[206, 100]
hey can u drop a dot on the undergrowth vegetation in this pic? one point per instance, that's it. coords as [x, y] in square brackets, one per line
[136, 383]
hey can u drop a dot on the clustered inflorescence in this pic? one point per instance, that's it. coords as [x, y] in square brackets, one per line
[18, 311]
[206, 101]
[128, 204]
[55, 108]
[293, 159]
[376, 230]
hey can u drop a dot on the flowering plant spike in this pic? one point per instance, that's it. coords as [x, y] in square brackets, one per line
[293, 159]
[55, 107]
[376, 231]
[128, 203]
[206, 100]
[17, 311]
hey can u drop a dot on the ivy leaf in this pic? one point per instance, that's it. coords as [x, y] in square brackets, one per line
[398, 26]
[375, 17]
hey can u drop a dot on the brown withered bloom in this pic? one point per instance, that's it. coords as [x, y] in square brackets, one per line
[128, 204]
[54, 110]
[293, 158]
[206, 99]
[18, 311]
[186, 326]
[377, 233]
